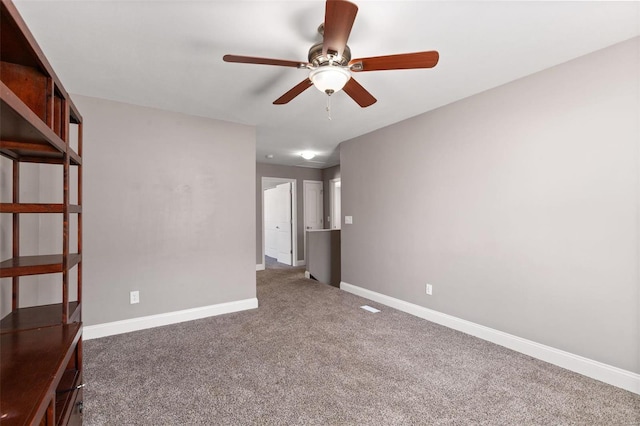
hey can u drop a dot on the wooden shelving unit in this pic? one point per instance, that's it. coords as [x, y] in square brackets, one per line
[41, 346]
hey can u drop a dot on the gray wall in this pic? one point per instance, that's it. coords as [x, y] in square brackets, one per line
[168, 210]
[323, 256]
[328, 174]
[288, 172]
[519, 205]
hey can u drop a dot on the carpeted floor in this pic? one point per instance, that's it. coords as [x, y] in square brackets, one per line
[272, 263]
[310, 355]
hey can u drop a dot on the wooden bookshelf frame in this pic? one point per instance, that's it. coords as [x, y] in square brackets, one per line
[41, 345]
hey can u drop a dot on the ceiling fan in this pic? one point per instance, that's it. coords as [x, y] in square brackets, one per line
[330, 62]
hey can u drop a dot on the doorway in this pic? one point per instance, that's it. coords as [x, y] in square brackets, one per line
[279, 234]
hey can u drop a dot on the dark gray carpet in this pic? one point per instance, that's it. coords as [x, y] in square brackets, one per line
[272, 263]
[310, 355]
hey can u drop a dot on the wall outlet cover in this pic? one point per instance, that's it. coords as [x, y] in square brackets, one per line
[134, 297]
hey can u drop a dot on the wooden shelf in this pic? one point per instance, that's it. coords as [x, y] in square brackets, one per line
[18, 46]
[37, 208]
[17, 49]
[24, 135]
[21, 124]
[29, 377]
[38, 316]
[36, 265]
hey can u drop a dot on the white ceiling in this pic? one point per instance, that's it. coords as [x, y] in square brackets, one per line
[168, 55]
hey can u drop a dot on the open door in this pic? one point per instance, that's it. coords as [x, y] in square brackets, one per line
[270, 222]
[335, 201]
[284, 223]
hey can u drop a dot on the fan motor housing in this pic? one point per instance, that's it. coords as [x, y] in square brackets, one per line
[317, 59]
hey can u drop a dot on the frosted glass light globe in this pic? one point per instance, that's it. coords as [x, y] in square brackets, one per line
[329, 79]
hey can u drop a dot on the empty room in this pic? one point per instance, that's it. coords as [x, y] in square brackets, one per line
[329, 212]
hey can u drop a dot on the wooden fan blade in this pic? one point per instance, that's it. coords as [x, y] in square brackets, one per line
[299, 88]
[403, 61]
[262, 61]
[338, 19]
[359, 93]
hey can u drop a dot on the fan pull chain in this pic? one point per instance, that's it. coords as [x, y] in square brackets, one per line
[329, 107]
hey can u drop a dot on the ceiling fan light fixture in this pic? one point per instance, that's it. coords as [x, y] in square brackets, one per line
[330, 63]
[329, 79]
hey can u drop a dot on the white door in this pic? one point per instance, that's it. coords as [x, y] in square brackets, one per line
[283, 223]
[335, 202]
[313, 208]
[270, 222]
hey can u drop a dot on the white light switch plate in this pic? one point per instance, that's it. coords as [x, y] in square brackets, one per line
[348, 220]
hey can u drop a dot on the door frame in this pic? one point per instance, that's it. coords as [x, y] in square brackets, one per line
[270, 182]
[304, 210]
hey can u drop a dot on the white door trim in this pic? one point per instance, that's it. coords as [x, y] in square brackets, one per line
[265, 184]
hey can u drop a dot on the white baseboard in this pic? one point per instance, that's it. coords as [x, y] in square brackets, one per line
[307, 275]
[134, 324]
[597, 370]
[301, 262]
[260, 267]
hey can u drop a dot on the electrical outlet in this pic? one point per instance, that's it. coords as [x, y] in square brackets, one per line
[429, 289]
[134, 297]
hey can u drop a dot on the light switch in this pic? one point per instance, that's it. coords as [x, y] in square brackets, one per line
[348, 220]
